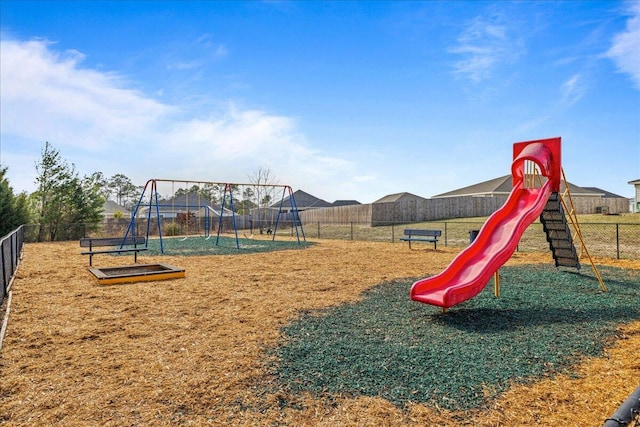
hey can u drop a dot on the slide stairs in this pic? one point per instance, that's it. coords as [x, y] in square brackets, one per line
[556, 227]
[471, 269]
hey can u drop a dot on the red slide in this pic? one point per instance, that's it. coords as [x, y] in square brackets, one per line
[471, 269]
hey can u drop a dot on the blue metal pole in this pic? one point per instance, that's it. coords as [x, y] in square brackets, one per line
[224, 196]
[132, 222]
[275, 228]
[207, 222]
[296, 217]
[233, 215]
[155, 192]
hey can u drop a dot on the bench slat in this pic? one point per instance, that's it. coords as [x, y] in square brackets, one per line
[421, 232]
[113, 251]
[430, 236]
[91, 242]
[87, 242]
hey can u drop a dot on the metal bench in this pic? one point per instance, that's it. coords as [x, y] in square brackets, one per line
[419, 235]
[92, 242]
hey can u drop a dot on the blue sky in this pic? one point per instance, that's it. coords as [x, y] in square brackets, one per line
[344, 100]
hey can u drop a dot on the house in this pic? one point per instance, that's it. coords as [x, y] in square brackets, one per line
[636, 198]
[188, 202]
[586, 200]
[503, 185]
[477, 200]
[283, 210]
[111, 210]
[303, 202]
[604, 193]
[345, 203]
[399, 197]
[607, 197]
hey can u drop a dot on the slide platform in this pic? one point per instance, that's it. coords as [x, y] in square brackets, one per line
[470, 271]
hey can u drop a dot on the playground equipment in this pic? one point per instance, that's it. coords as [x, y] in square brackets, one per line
[537, 175]
[136, 273]
[201, 209]
[627, 412]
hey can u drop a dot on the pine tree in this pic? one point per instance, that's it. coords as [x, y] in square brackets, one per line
[13, 209]
[66, 204]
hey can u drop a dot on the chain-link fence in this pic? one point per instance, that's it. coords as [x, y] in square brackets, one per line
[10, 249]
[613, 240]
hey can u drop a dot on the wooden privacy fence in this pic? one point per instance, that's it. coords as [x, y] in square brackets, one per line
[360, 214]
[417, 210]
[435, 209]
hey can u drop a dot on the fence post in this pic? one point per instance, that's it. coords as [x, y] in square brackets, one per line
[393, 232]
[617, 241]
[2, 271]
[351, 230]
[8, 267]
[318, 229]
[12, 243]
[445, 234]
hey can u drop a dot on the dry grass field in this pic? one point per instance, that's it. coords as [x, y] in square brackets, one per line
[194, 351]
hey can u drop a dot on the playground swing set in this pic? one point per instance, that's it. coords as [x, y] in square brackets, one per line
[537, 176]
[153, 209]
[183, 213]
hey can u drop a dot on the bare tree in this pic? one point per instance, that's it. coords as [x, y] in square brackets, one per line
[263, 192]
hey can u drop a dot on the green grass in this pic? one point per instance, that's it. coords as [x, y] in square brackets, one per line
[389, 346]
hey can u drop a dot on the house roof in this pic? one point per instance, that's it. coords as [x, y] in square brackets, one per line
[190, 200]
[501, 185]
[634, 182]
[397, 197]
[504, 184]
[166, 209]
[303, 201]
[346, 203]
[111, 207]
[606, 194]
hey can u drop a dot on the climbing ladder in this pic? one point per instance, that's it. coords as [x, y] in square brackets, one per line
[561, 240]
[556, 227]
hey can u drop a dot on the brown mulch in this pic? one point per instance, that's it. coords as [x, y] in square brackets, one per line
[192, 351]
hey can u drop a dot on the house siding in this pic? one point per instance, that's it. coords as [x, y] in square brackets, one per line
[592, 205]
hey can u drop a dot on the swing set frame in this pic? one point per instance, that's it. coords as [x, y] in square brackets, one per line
[149, 199]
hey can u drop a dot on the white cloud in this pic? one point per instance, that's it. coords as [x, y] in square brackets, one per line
[237, 134]
[625, 48]
[484, 45]
[48, 95]
[572, 90]
[218, 50]
[100, 124]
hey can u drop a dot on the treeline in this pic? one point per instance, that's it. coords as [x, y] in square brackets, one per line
[64, 202]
